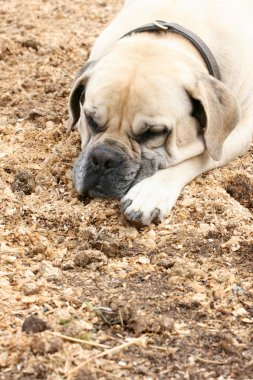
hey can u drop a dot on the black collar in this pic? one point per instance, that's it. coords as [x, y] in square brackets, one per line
[196, 41]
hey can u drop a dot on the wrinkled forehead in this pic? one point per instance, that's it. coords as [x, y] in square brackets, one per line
[135, 96]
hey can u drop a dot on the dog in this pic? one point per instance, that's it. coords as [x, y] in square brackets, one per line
[167, 94]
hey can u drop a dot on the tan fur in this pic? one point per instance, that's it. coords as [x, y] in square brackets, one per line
[149, 79]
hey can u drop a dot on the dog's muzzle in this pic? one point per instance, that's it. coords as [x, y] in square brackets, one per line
[105, 172]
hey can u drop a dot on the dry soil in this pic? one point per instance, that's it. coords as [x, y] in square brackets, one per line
[176, 299]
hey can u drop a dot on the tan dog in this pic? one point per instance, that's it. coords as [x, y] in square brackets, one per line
[150, 115]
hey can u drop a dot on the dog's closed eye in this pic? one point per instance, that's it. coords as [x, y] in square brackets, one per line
[152, 134]
[93, 124]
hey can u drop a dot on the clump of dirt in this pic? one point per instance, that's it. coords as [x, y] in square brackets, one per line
[240, 187]
[24, 182]
[34, 324]
[43, 346]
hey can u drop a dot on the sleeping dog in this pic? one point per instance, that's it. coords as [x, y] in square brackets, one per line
[166, 95]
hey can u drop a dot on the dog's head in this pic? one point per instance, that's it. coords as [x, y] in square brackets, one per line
[143, 108]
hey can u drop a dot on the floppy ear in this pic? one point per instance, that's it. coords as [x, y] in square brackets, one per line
[77, 95]
[217, 110]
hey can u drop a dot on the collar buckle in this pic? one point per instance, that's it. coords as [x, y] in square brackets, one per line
[161, 24]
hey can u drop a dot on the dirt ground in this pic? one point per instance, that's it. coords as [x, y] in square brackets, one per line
[84, 295]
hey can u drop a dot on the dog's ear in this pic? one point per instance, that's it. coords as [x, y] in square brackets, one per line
[77, 94]
[217, 110]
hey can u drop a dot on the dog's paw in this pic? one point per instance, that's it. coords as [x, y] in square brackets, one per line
[150, 200]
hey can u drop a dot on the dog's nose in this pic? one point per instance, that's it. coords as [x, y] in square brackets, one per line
[105, 157]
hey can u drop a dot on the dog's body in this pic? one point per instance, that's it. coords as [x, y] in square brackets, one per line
[150, 115]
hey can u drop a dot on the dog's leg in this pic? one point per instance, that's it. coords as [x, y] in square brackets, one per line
[155, 196]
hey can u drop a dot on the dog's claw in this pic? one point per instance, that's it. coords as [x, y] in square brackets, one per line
[156, 216]
[135, 217]
[155, 213]
[125, 204]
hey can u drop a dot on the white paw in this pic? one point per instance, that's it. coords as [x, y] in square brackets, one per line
[151, 199]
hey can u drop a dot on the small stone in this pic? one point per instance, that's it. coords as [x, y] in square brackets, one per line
[247, 320]
[9, 259]
[198, 297]
[151, 233]
[29, 275]
[228, 343]
[165, 263]
[49, 272]
[89, 256]
[68, 292]
[51, 88]
[4, 356]
[240, 312]
[33, 324]
[50, 125]
[233, 241]
[31, 43]
[110, 249]
[38, 346]
[122, 363]
[89, 233]
[143, 260]
[82, 259]
[128, 232]
[31, 289]
[9, 211]
[138, 325]
[68, 265]
[238, 290]
[105, 236]
[53, 345]
[167, 324]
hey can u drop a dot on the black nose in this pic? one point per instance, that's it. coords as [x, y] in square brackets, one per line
[105, 157]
